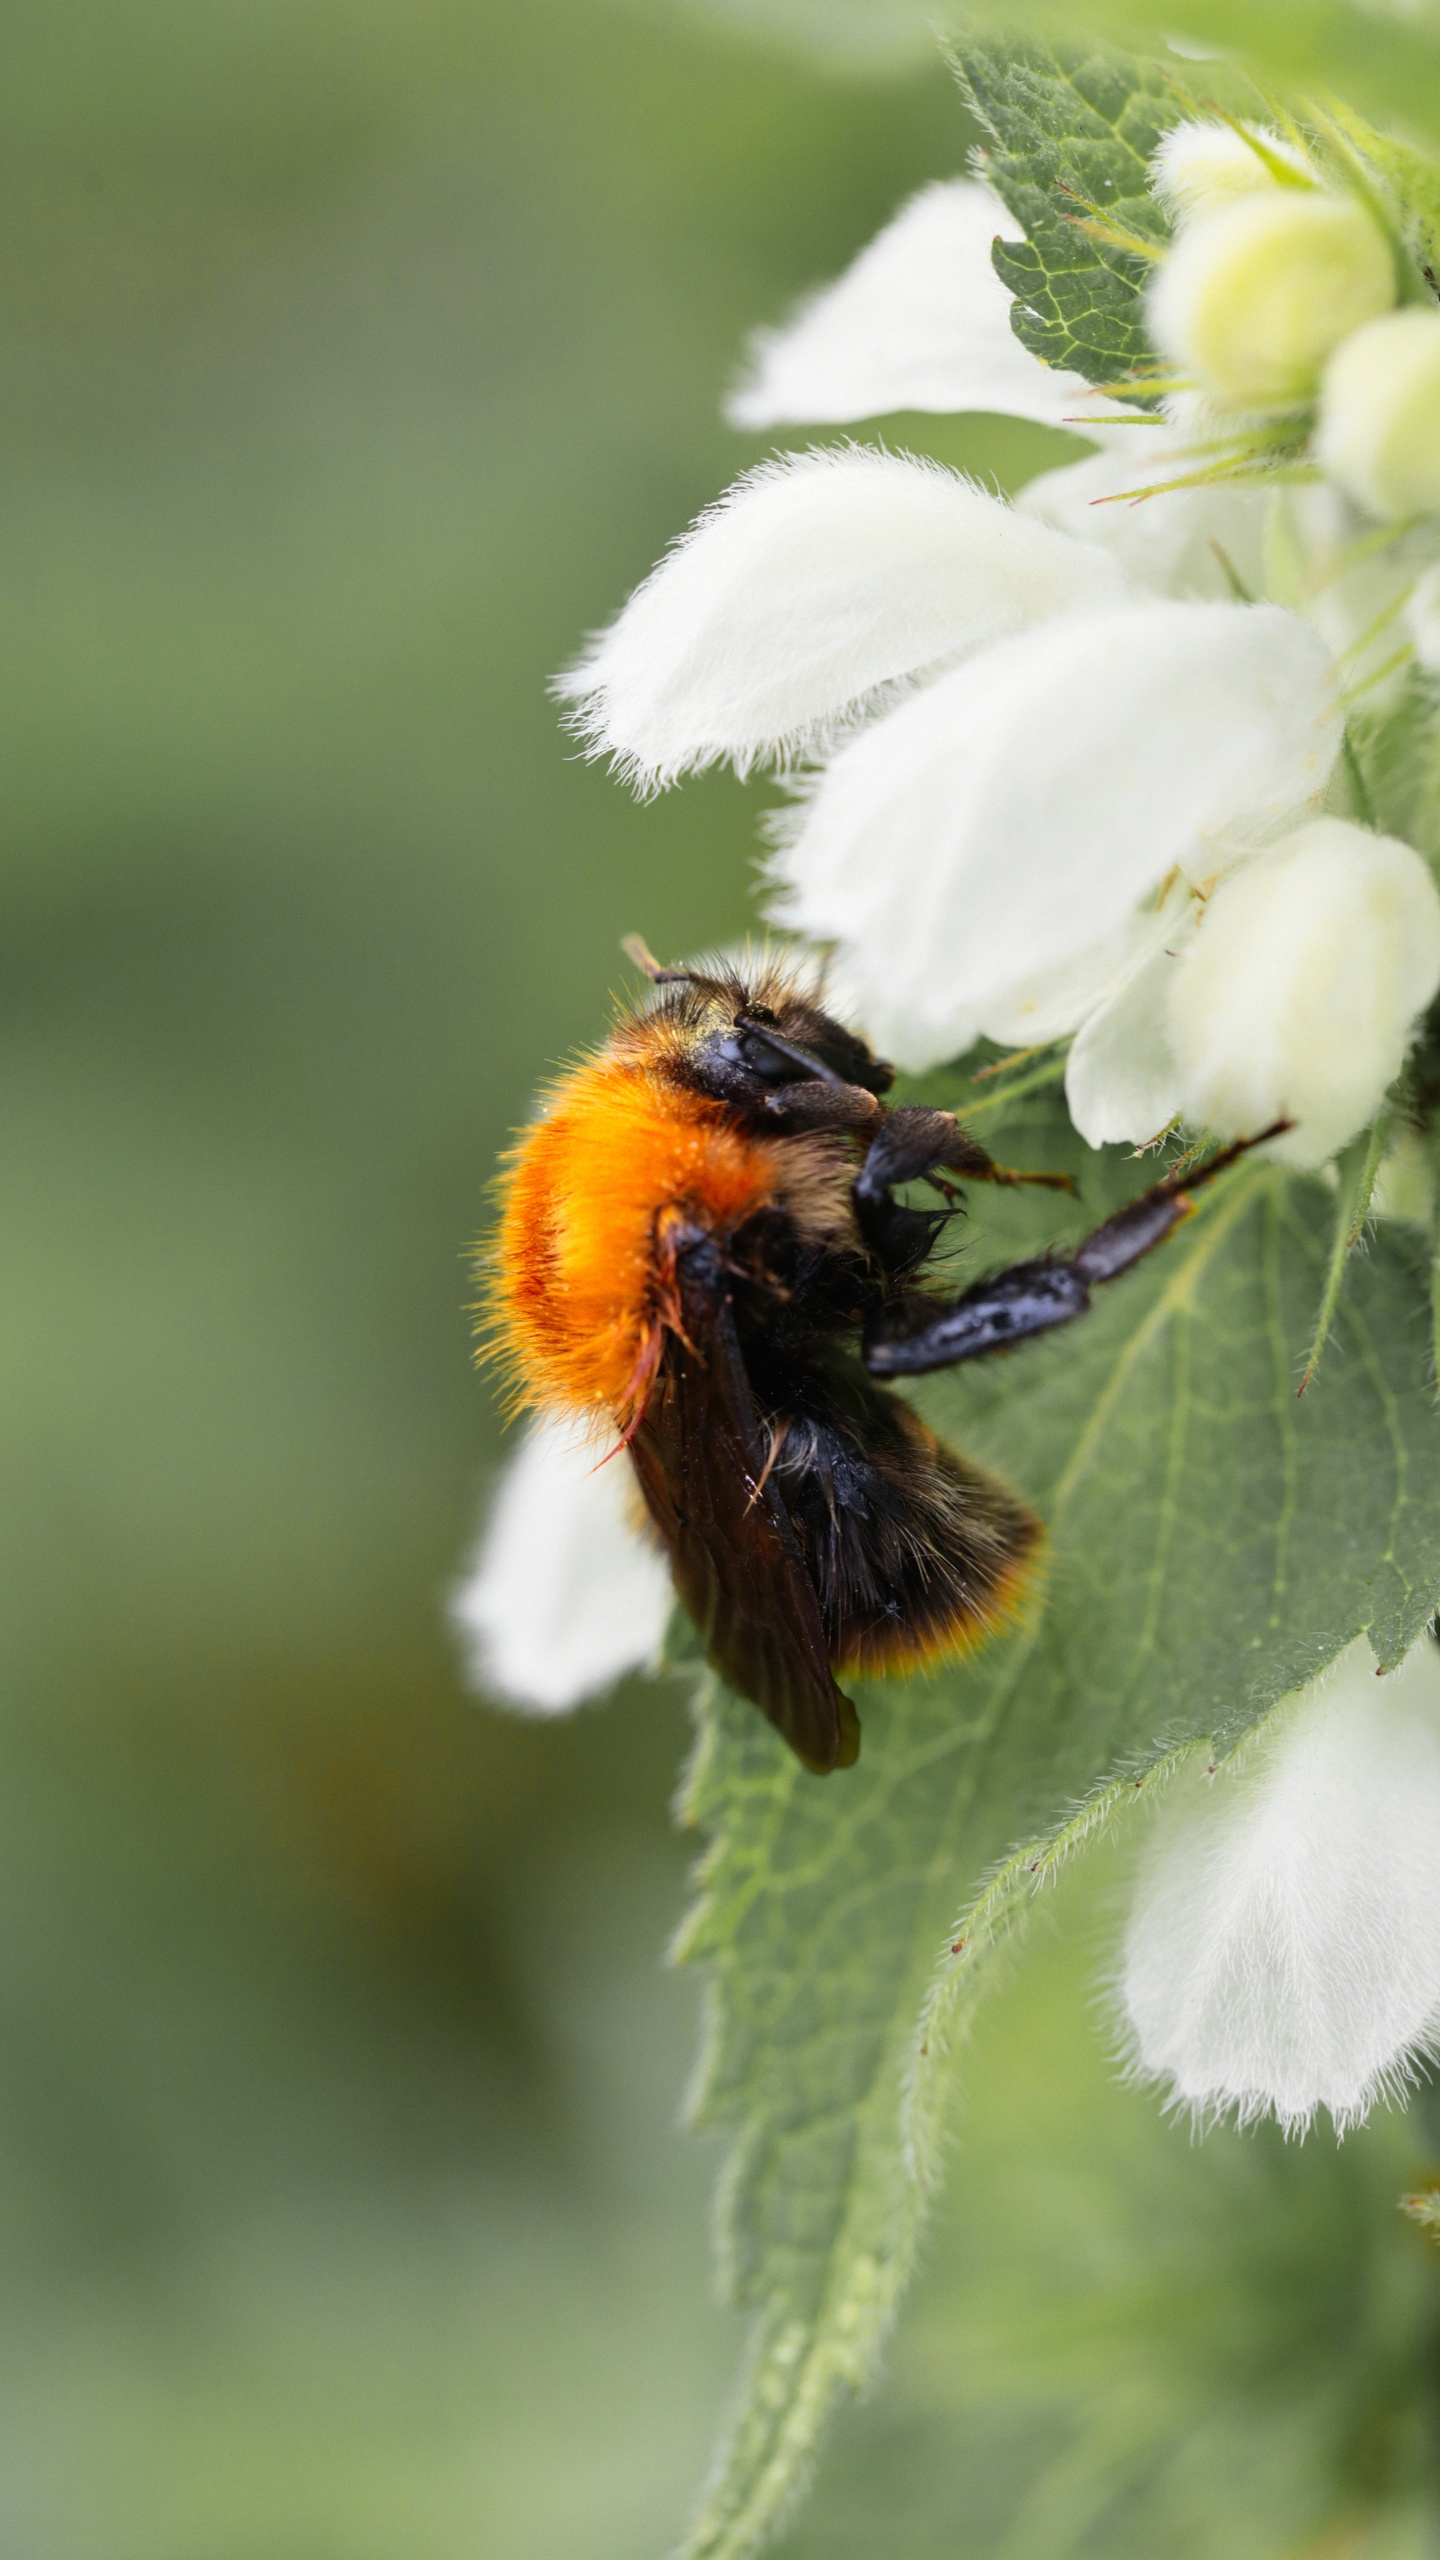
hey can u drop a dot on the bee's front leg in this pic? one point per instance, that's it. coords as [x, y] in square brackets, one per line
[914, 1144]
[820, 1107]
[1033, 1297]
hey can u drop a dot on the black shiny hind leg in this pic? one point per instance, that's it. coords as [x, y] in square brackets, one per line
[913, 1144]
[1033, 1297]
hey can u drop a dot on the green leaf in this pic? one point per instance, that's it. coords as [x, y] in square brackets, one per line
[1410, 189]
[1213, 1543]
[1071, 133]
[1355, 1172]
[1395, 761]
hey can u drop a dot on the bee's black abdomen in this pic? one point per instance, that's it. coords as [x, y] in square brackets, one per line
[913, 1551]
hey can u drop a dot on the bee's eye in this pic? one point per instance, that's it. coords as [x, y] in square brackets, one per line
[744, 1056]
[791, 1064]
[745, 1060]
[752, 1049]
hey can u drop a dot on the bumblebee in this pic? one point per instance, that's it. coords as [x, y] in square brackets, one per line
[701, 1250]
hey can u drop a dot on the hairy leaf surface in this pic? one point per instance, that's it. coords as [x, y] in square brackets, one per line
[1213, 1541]
[1071, 133]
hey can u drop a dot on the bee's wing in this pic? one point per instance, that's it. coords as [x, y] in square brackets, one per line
[700, 1454]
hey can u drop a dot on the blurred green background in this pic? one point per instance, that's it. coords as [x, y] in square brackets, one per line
[356, 360]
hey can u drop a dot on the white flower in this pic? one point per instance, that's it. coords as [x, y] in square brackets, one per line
[1199, 167]
[1026, 802]
[1299, 993]
[1253, 298]
[565, 1592]
[920, 321]
[815, 582]
[1203, 541]
[1283, 1949]
[1039, 730]
[1379, 432]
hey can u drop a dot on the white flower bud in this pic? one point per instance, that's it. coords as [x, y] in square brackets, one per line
[565, 1592]
[1252, 298]
[1379, 430]
[1298, 996]
[1199, 167]
[1283, 1949]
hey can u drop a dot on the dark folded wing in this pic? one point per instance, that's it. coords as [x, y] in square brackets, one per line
[700, 1454]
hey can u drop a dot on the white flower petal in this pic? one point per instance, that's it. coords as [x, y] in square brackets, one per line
[1054, 1000]
[1008, 818]
[814, 582]
[919, 321]
[1121, 1080]
[1283, 1949]
[1299, 993]
[1181, 542]
[565, 1592]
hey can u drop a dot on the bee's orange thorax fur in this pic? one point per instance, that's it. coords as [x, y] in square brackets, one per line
[577, 1281]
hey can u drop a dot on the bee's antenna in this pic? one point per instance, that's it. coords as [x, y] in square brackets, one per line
[636, 949]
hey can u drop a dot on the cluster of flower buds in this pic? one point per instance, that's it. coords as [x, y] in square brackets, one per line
[1285, 293]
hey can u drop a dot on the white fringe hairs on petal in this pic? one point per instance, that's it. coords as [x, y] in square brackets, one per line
[1282, 1954]
[919, 320]
[816, 583]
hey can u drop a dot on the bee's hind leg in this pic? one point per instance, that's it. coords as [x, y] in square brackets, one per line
[1033, 1297]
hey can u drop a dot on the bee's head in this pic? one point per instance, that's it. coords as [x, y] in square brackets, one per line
[742, 1038]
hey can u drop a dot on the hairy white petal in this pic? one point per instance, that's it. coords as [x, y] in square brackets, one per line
[1283, 1949]
[1121, 1080]
[565, 1593]
[1180, 542]
[919, 321]
[1299, 993]
[1008, 818]
[1051, 1001]
[815, 581]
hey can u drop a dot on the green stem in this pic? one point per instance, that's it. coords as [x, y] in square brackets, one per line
[1358, 784]
[1034, 1082]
